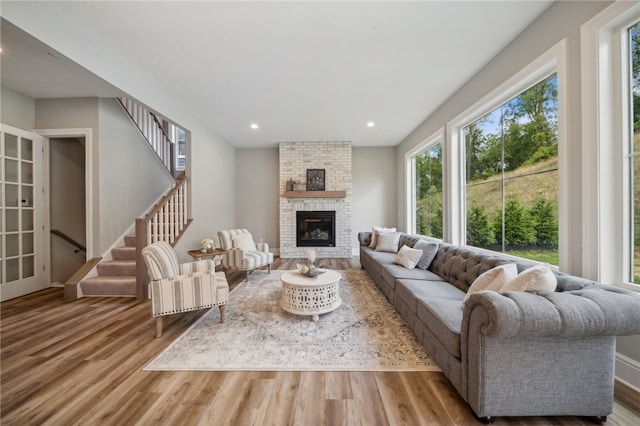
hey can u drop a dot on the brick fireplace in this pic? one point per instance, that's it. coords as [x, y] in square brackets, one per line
[335, 159]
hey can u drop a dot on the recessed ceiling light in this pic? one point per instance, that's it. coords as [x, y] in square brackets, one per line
[371, 124]
[254, 126]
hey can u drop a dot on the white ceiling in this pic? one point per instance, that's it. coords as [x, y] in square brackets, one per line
[302, 71]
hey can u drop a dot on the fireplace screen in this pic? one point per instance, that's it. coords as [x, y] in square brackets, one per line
[316, 228]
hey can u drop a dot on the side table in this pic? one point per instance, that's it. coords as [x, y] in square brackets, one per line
[199, 254]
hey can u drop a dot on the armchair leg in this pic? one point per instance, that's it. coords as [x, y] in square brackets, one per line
[221, 307]
[246, 277]
[158, 326]
[269, 268]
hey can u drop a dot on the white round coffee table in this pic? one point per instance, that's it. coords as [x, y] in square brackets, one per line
[313, 296]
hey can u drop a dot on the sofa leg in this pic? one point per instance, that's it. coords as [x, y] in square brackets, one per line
[598, 419]
[221, 307]
[158, 326]
[487, 420]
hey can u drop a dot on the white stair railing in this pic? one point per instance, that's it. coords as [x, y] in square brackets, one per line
[165, 222]
[151, 129]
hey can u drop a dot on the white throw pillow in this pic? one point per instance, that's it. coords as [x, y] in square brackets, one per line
[244, 242]
[429, 250]
[537, 279]
[379, 230]
[493, 279]
[388, 242]
[407, 257]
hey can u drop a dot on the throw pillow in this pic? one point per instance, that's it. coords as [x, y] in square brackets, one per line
[493, 279]
[379, 230]
[536, 279]
[429, 250]
[407, 257]
[244, 242]
[388, 242]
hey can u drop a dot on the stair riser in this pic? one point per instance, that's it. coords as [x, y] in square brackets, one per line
[117, 269]
[130, 240]
[108, 287]
[124, 253]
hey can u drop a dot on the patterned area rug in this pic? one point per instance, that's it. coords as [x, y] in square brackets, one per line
[365, 333]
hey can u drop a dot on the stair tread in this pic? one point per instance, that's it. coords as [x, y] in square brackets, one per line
[106, 278]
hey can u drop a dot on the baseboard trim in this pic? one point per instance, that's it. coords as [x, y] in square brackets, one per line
[628, 371]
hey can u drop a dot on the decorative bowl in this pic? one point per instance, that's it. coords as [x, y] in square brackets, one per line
[309, 271]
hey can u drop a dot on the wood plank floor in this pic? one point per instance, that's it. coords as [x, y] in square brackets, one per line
[80, 363]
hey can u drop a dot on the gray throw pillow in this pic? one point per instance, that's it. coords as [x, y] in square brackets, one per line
[429, 250]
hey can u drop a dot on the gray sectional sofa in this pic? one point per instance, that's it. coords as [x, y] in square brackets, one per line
[512, 353]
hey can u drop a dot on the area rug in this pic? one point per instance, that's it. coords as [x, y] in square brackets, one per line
[365, 333]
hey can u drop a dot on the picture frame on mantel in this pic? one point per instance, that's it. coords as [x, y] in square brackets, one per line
[315, 179]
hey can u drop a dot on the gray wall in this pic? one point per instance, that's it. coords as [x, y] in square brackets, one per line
[561, 21]
[127, 176]
[258, 210]
[374, 189]
[131, 177]
[16, 109]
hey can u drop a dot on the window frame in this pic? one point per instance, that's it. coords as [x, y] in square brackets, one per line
[607, 251]
[550, 62]
[410, 178]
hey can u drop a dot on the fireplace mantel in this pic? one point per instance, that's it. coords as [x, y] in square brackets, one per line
[315, 194]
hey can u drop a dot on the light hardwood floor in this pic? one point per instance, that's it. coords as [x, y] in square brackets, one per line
[80, 363]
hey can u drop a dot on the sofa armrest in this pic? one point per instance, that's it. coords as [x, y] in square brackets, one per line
[364, 238]
[590, 311]
[264, 247]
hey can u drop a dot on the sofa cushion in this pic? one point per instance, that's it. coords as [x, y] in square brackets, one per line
[408, 257]
[376, 231]
[494, 279]
[388, 242]
[537, 279]
[438, 305]
[392, 272]
[429, 250]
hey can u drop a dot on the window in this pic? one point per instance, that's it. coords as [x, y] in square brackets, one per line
[424, 180]
[428, 198]
[511, 172]
[633, 35]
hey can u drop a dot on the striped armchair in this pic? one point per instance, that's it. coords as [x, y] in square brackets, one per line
[242, 253]
[183, 287]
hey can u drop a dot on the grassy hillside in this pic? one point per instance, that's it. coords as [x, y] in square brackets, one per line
[527, 183]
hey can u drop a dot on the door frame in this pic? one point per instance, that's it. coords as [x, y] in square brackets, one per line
[87, 134]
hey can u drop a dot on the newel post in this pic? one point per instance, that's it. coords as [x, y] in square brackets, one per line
[142, 277]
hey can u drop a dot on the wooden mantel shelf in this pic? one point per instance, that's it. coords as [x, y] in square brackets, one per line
[315, 194]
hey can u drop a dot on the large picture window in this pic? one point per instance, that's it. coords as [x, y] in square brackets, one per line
[511, 165]
[428, 184]
[634, 149]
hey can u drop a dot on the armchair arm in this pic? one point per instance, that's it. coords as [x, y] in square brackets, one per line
[590, 311]
[264, 247]
[187, 292]
[233, 258]
[204, 265]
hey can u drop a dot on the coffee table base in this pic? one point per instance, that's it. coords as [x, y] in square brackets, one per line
[310, 296]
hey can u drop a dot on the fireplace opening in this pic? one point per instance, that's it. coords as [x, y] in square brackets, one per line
[316, 228]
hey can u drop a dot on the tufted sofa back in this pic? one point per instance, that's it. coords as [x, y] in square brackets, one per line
[462, 265]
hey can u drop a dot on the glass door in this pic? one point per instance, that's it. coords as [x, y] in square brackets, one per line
[22, 266]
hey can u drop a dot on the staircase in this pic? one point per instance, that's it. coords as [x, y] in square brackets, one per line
[116, 277]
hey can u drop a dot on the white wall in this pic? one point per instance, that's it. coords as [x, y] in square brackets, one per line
[16, 109]
[561, 21]
[374, 189]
